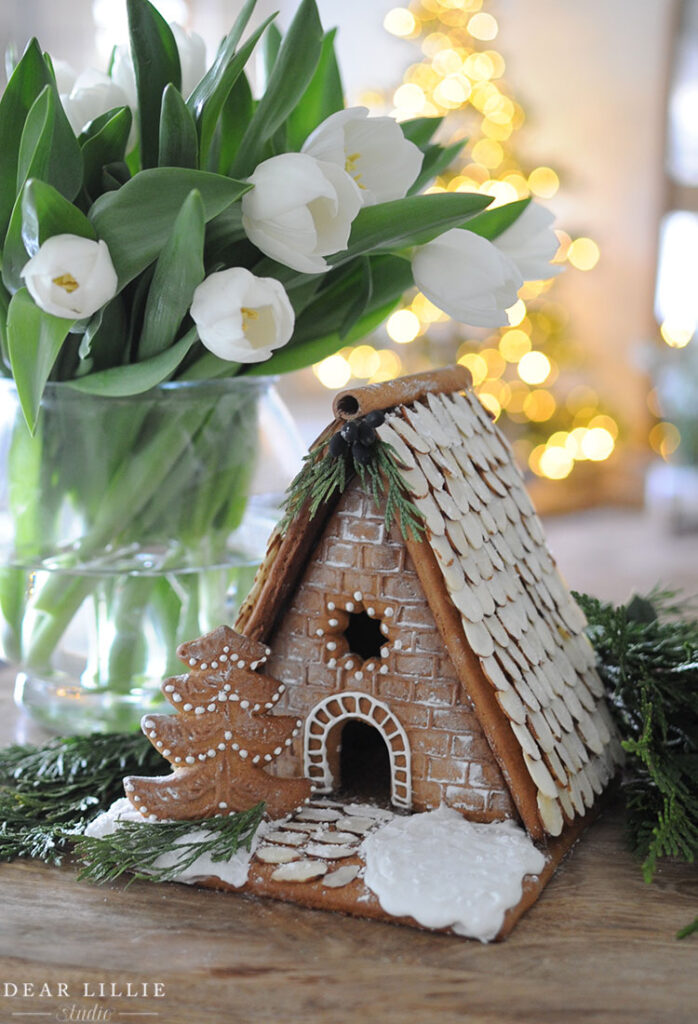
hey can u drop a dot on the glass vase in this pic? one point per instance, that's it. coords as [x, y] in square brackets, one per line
[128, 525]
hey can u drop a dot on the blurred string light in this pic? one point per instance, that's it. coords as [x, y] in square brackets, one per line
[516, 370]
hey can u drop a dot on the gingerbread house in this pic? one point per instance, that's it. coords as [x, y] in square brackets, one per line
[447, 666]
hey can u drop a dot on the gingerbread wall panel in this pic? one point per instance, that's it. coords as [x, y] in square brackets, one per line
[358, 569]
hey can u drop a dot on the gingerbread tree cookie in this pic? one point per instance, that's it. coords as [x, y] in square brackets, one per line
[222, 738]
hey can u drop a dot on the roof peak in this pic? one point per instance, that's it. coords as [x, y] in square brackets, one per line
[356, 402]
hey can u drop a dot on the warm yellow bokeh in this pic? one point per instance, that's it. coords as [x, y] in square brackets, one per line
[514, 345]
[583, 253]
[677, 335]
[400, 22]
[333, 372]
[534, 367]
[474, 362]
[403, 326]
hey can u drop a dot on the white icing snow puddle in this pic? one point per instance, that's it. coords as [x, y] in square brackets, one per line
[445, 871]
[233, 871]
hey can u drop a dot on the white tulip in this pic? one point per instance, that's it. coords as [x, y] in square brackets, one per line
[373, 150]
[92, 94]
[240, 317]
[66, 75]
[467, 277]
[71, 277]
[300, 210]
[192, 59]
[531, 243]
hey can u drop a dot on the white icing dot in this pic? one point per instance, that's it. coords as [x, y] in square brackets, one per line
[384, 670]
[214, 664]
[287, 743]
[349, 665]
[267, 757]
[190, 759]
[212, 707]
[268, 705]
[256, 707]
[226, 649]
[332, 663]
[349, 606]
[255, 759]
[333, 622]
[234, 697]
[192, 662]
[137, 799]
[277, 750]
[299, 723]
[228, 735]
[212, 753]
[241, 664]
[223, 805]
[166, 753]
[370, 667]
[222, 696]
[224, 657]
[152, 817]
[358, 676]
[319, 632]
[227, 687]
[152, 734]
[268, 650]
[385, 651]
[384, 628]
[398, 645]
[149, 723]
[389, 612]
[202, 757]
[176, 697]
[243, 754]
[158, 742]
[169, 689]
[221, 746]
[276, 696]
[332, 645]
[187, 707]
[199, 711]
[204, 665]
[128, 786]
[282, 687]
[178, 760]
[143, 810]
[371, 611]
[244, 703]
[331, 606]
[358, 596]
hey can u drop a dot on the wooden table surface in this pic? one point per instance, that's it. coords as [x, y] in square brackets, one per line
[598, 947]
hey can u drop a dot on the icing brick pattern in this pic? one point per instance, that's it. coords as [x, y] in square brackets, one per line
[358, 567]
[517, 615]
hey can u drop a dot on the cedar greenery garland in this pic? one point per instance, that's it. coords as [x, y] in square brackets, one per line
[135, 847]
[324, 472]
[647, 657]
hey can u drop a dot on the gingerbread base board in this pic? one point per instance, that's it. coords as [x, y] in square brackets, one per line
[357, 900]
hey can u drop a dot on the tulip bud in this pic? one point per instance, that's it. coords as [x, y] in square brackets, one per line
[373, 150]
[92, 94]
[467, 277]
[240, 317]
[71, 277]
[300, 210]
[531, 243]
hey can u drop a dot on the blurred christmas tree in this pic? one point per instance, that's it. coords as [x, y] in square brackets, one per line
[531, 374]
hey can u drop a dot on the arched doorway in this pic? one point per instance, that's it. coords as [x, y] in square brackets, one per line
[322, 722]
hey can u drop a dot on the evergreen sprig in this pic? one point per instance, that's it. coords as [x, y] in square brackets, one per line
[323, 474]
[648, 660]
[136, 847]
[51, 792]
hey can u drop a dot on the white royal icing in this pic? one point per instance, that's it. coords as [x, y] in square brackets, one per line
[445, 871]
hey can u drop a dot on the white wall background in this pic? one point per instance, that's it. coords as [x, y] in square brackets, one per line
[592, 78]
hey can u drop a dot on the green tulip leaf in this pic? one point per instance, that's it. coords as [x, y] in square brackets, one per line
[137, 220]
[269, 51]
[135, 378]
[405, 222]
[324, 96]
[207, 100]
[178, 271]
[421, 130]
[29, 77]
[104, 146]
[34, 339]
[156, 63]
[293, 71]
[235, 116]
[179, 143]
[492, 223]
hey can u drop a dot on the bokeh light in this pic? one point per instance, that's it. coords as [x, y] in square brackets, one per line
[583, 253]
[543, 182]
[534, 367]
[677, 335]
[400, 22]
[403, 326]
[333, 372]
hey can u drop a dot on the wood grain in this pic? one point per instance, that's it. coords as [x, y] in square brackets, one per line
[598, 947]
